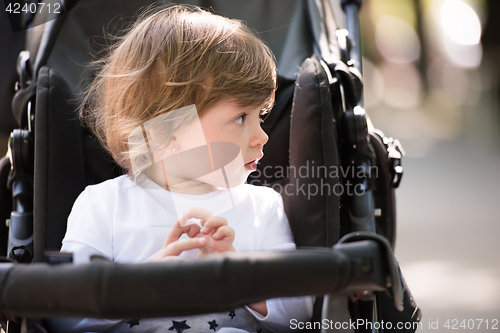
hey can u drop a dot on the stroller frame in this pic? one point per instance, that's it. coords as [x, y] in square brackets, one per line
[361, 265]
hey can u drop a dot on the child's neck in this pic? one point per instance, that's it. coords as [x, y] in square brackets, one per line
[179, 184]
[192, 187]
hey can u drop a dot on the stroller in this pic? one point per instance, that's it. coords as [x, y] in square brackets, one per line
[345, 240]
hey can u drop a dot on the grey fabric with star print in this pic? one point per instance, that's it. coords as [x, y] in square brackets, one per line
[238, 320]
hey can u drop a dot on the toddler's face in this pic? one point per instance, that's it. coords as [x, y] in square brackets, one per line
[219, 149]
[241, 126]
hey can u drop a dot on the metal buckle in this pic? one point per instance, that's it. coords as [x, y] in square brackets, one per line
[395, 152]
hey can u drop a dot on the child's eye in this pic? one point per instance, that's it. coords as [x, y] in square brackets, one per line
[240, 120]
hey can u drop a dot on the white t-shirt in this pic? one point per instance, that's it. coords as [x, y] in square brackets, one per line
[128, 223]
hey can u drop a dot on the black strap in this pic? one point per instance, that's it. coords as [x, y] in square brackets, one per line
[330, 30]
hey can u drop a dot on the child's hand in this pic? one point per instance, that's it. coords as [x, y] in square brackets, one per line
[173, 246]
[219, 236]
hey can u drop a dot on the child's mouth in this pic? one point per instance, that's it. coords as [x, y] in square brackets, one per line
[252, 165]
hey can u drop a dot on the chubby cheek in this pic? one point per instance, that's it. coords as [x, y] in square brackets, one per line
[232, 174]
[191, 136]
[212, 130]
[224, 135]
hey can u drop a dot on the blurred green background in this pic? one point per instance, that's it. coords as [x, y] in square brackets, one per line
[431, 72]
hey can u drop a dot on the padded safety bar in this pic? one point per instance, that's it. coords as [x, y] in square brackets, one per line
[104, 289]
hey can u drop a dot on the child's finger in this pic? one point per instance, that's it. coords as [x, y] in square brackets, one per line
[174, 234]
[194, 213]
[224, 232]
[213, 223]
[177, 231]
[192, 229]
[177, 247]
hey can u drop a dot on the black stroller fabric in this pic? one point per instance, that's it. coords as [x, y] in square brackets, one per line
[313, 142]
[66, 160]
[304, 136]
[59, 172]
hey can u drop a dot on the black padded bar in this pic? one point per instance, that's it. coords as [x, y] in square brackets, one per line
[104, 289]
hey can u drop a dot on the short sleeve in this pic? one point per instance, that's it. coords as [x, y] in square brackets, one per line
[89, 232]
[281, 312]
[90, 224]
[277, 234]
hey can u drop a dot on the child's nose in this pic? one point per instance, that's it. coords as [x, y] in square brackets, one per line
[260, 137]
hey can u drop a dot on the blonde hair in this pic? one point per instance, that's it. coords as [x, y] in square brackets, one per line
[170, 58]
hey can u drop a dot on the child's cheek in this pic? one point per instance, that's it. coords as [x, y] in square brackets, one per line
[231, 175]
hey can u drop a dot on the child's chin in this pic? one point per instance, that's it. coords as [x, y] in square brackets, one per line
[236, 179]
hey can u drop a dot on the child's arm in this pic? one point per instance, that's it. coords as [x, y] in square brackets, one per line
[260, 307]
[276, 236]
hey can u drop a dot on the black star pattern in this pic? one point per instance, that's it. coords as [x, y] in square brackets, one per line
[133, 322]
[179, 326]
[232, 314]
[213, 324]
